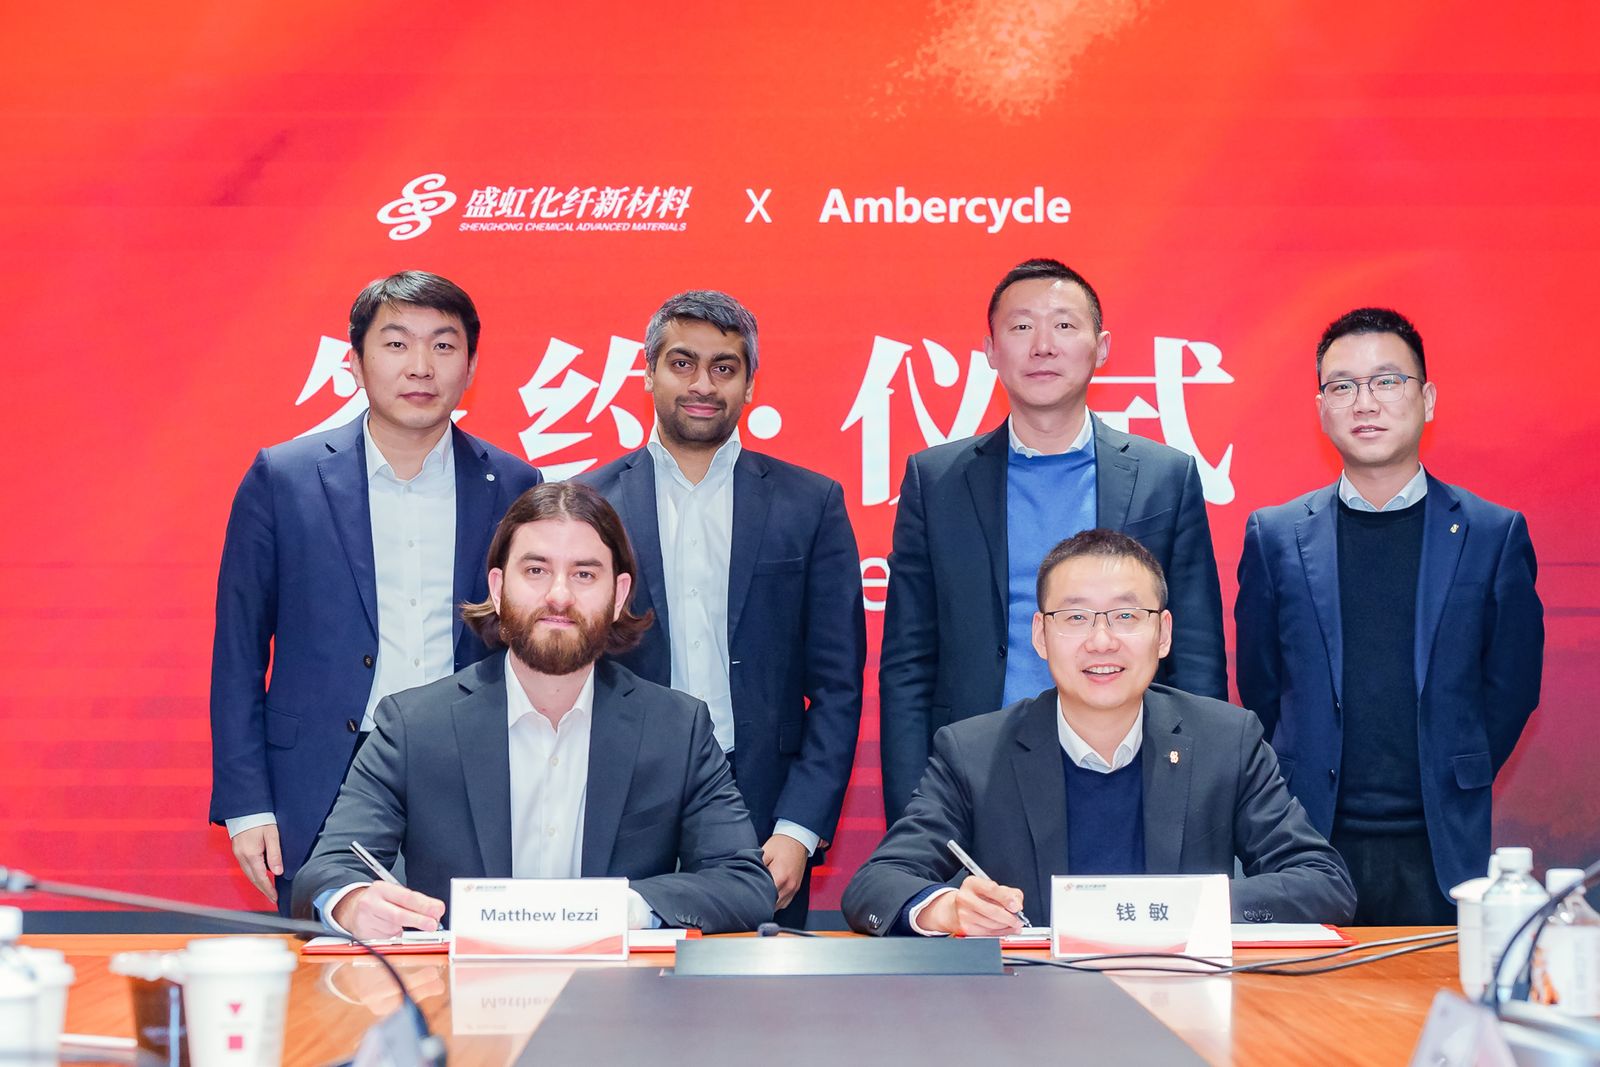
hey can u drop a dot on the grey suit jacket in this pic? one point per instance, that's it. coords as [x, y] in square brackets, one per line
[995, 784]
[661, 809]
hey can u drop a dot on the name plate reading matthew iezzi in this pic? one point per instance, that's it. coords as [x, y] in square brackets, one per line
[539, 918]
[1185, 913]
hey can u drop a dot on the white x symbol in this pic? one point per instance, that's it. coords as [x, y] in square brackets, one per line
[758, 202]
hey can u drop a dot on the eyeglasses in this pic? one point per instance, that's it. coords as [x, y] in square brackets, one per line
[1342, 392]
[1076, 622]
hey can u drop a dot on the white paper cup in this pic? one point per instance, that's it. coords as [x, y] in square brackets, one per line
[1469, 935]
[235, 1000]
[53, 975]
[19, 998]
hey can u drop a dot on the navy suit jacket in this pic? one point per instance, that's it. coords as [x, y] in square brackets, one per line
[1479, 656]
[297, 592]
[797, 638]
[434, 782]
[1211, 793]
[944, 630]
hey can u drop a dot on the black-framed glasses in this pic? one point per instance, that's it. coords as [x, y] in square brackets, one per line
[1342, 392]
[1078, 622]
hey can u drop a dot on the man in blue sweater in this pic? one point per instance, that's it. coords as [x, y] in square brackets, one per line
[1104, 773]
[976, 516]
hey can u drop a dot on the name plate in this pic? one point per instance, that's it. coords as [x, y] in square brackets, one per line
[1187, 913]
[539, 918]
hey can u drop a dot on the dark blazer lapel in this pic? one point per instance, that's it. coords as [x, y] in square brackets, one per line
[1444, 532]
[485, 751]
[614, 738]
[986, 478]
[1318, 537]
[1115, 474]
[638, 512]
[1042, 785]
[344, 481]
[475, 494]
[752, 497]
[1168, 767]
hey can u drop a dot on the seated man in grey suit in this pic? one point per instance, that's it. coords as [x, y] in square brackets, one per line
[540, 763]
[1105, 774]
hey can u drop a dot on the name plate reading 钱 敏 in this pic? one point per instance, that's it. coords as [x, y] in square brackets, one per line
[539, 918]
[1184, 913]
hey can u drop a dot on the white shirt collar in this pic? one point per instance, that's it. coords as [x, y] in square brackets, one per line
[1409, 494]
[721, 463]
[442, 456]
[1082, 441]
[518, 704]
[1082, 755]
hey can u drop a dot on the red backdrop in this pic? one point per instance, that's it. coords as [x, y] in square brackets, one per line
[195, 192]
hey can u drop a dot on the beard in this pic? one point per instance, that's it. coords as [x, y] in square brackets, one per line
[685, 430]
[555, 651]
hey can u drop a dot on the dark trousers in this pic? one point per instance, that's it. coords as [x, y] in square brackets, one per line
[1394, 879]
[793, 916]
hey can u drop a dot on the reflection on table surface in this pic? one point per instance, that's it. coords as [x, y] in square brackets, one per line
[486, 1010]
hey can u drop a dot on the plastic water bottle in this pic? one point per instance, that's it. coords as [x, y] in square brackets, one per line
[1507, 903]
[1566, 965]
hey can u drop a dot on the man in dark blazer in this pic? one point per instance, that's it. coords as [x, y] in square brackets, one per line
[751, 568]
[1102, 774]
[976, 516]
[1390, 636]
[337, 618]
[538, 762]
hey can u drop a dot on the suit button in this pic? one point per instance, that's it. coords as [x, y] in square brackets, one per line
[1333, 775]
[1001, 652]
[352, 726]
[366, 661]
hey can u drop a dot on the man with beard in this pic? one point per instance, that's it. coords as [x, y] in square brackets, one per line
[751, 568]
[541, 763]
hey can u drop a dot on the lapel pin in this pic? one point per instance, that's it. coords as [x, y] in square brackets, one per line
[1172, 757]
[1455, 526]
[490, 477]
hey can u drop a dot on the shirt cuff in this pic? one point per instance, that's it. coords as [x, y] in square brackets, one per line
[640, 917]
[249, 822]
[917, 906]
[799, 833]
[329, 899]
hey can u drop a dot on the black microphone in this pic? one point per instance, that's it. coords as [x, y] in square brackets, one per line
[430, 1049]
[773, 930]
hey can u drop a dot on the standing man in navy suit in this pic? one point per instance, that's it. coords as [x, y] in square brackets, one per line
[976, 518]
[1390, 637]
[751, 567]
[346, 555]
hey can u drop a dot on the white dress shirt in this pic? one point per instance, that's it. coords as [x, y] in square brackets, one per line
[549, 768]
[1082, 755]
[1085, 435]
[1409, 494]
[695, 521]
[413, 525]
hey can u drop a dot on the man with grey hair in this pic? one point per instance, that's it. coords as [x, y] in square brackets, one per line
[750, 565]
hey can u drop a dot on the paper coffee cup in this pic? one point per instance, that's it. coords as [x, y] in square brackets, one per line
[53, 976]
[235, 1000]
[19, 997]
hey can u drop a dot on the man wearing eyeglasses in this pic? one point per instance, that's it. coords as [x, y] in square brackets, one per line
[1103, 773]
[1389, 635]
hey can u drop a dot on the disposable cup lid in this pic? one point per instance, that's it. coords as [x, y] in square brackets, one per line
[147, 966]
[1471, 891]
[237, 955]
[10, 924]
[49, 965]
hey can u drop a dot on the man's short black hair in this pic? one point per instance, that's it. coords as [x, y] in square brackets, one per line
[419, 289]
[1372, 320]
[1106, 544]
[1045, 268]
